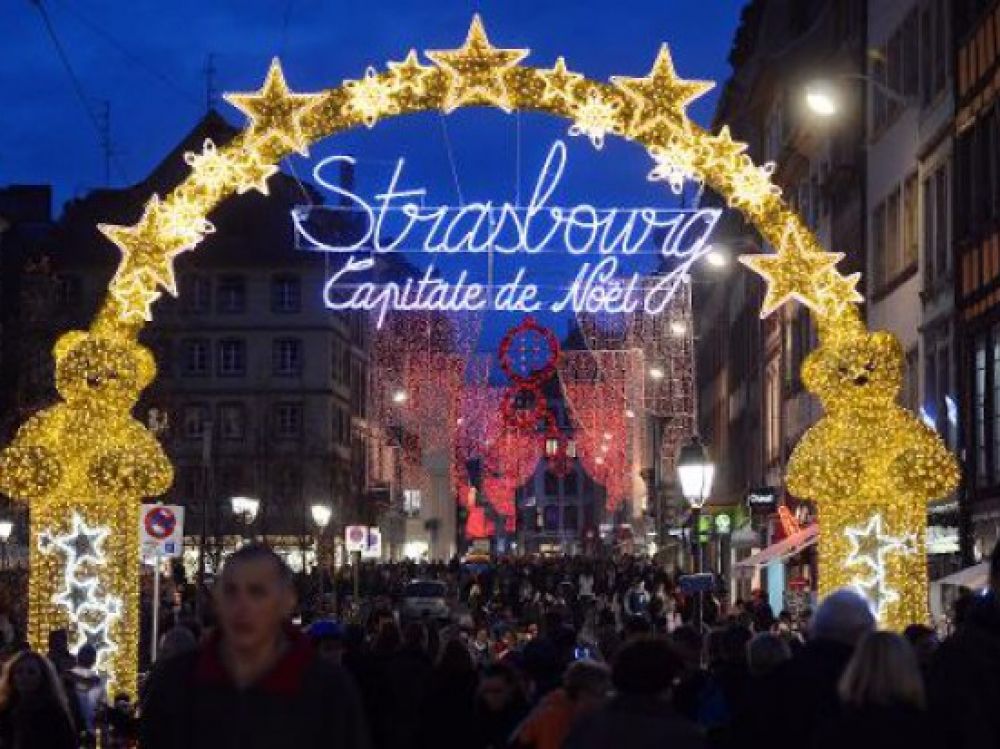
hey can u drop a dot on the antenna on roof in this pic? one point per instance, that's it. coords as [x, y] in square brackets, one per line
[103, 115]
[211, 92]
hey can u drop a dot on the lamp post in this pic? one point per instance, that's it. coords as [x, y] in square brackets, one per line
[6, 526]
[321, 514]
[696, 472]
[245, 509]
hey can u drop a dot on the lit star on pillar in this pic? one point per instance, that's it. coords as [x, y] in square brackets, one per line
[476, 70]
[83, 542]
[275, 111]
[77, 595]
[660, 97]
[97, 637]
[836, 292]
[791, 272]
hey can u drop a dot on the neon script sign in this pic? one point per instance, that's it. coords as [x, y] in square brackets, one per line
[602, 239]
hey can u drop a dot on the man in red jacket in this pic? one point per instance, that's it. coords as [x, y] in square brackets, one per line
[257, 681]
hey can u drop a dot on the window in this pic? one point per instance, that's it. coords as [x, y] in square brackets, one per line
[571, 518]
[894, 235]
[910, 394]
[911, 215]
[196, 293]
[287, 485]
[195, 357]
[232, 421]
[341, 426]
[195, 421]
[935, 22]
[551, 446]
[551, 517]
[897, 67]
[551, 484]
[69, 292]
[232, 295]
[570, 484]
[232, 357]
[411, 502]
[288, 420]
[286, 294]
[287, 357]
[937, 255]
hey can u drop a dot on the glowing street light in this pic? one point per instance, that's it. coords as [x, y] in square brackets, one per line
[399, 396]
[245, 508]
[822, 100]
[656, 373]
[717, 258]
[321, 514]
[678, 328]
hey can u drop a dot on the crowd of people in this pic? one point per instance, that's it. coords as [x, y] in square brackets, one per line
[557, 654]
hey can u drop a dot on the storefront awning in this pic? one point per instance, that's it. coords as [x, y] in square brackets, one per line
[974, 578]
[785, 548]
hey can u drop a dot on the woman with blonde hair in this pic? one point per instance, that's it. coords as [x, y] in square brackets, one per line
[34, 712]
[882, 699]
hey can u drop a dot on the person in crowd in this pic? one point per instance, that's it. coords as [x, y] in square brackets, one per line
[547, 656]
[327, 636]
[806, 685]
[724, 692]
[58, 654]
[882, 700]
[586, 685]
[448, 720]
[408, 673]
[925, 642]
[257, 681]
[177, 640]
[86, 690]
[34, 711]
[500, 706]
[640, 715]
[765, 652]
[964, 673]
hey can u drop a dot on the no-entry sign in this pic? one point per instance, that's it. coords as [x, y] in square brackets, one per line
[161, 530]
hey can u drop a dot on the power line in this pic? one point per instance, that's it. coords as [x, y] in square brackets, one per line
[99, 129]
[169, 82]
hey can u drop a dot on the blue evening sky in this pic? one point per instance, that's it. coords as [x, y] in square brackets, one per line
[146, 58]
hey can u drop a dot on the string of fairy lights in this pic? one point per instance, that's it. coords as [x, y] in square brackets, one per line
[88, 453]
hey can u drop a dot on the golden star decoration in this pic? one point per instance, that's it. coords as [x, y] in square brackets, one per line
[135, 298]
[370, 98]
[836, 292]
[149, 247]
[723, 148]
[476, 70]
[410, 73]
[660, 97]
[792, 272]
[276, 112]
[559, 83]
[253, 173]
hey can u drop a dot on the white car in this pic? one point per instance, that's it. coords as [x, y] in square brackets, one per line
[425, 598]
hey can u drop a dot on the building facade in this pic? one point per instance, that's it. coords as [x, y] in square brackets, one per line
[976, 260]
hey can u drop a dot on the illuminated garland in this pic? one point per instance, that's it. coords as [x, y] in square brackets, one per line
[104, 467]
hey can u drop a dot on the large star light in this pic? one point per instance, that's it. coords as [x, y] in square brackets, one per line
[659, 98]
[275, 111]
[476, 70]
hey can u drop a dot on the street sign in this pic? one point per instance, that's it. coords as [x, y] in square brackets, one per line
[356, 538]
[373, 549]
[161, 530]
[763, 499]
[703, 582]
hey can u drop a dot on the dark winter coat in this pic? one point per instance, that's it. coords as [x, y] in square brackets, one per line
[43, 726]
[302, 702]
[635, 723]
[878, 727]
[964, 680]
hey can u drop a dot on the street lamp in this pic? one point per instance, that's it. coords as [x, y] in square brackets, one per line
[696, 472]
[823, 97]
[6, 526]
[321, 514]
[656, 373]
[399, 396]
[245, 509]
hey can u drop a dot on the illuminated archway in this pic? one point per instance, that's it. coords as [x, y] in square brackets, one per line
[85, 463]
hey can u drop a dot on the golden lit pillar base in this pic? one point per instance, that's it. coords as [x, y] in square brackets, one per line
[85, 578]
[877, 550]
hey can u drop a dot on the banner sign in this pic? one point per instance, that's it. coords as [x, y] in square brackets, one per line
[600, 240]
